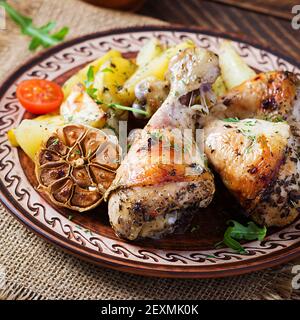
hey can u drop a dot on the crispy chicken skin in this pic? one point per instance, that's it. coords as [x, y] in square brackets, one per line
[153, 190]
[267, 94]
[258, 160]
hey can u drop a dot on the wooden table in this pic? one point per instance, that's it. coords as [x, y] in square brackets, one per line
[265, 22]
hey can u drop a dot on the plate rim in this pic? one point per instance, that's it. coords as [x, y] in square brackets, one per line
[135, 267]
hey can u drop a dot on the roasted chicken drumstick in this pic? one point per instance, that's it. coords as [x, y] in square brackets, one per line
[258, 157]
[152, 191]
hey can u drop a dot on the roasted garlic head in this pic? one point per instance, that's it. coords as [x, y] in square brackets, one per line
[76, 165]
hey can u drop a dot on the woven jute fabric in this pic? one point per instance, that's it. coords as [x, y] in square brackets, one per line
[35, 269]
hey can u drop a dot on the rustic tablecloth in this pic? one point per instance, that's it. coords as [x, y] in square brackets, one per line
[37, 270]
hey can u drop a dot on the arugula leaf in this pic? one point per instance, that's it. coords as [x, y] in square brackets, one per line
[251, 232]
[40, 35]
[237, 231]
[60, 35]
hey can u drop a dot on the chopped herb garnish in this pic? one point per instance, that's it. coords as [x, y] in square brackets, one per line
[40, 35]
[107, 70]
[237, 231]
[55, 142]
[252, 140]
[70, 217]
[275, 118]
[250, 123]
[77, 151]
[156, 136]
[70, 118]
[231, 119]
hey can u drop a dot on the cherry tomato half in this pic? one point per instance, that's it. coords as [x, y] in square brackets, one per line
[39, 96]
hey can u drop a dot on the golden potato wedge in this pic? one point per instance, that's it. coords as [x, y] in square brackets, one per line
[234, 69]
[11, 136]
[156, 68]
[111, 77]
[81, 75]
[30, 134]
[148, 52]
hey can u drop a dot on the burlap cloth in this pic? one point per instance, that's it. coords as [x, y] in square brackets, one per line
[37, 270]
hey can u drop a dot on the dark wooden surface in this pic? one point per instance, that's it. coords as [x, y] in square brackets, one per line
[265, 22]
[277, 8]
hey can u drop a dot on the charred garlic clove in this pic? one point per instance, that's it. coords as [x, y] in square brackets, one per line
[76, 165]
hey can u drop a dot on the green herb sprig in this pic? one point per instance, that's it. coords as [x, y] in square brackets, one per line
[237, 231]
[40, 35]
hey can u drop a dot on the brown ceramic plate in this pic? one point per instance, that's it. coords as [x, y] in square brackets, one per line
[89, 235]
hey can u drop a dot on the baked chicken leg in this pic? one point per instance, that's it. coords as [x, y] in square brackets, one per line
[258, 160]
[154, 190]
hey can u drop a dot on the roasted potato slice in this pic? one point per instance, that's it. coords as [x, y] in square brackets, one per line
[157, 68]
[30, 134]
[234, 69]
[81, 75]
[110, 78]
[148, 52]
